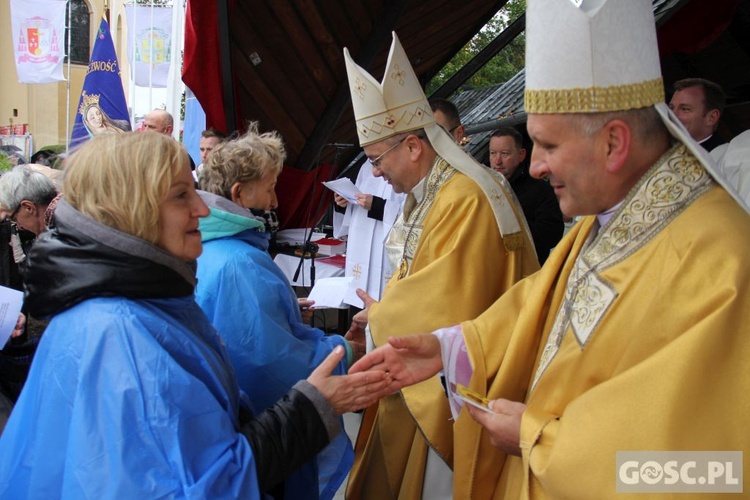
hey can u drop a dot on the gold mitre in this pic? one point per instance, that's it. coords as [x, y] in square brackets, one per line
[395, 106]
[588, 56]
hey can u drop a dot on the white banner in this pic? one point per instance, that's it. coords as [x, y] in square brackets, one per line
[38, 30]
[149, 44]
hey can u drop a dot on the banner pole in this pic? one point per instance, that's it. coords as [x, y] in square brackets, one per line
[67, 107]
[133, 62]
[151, 60]
[175, 87]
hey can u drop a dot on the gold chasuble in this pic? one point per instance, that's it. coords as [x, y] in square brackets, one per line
[458, 265]
[632, 338]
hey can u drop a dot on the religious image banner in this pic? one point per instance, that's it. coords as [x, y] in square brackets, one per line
[149, 44]
[102, 107]
[38, 30]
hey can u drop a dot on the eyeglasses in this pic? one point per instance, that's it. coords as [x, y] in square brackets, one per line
[376, 161]
[12, 217]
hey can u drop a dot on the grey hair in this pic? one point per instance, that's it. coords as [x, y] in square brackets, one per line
[645, 123]
[420, 133]
[22, 183]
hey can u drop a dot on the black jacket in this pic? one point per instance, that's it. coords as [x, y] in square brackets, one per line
[712, 143]
[542, 211]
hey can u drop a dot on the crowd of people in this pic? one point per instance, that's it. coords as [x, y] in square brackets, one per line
[176, 360]
[116, 273]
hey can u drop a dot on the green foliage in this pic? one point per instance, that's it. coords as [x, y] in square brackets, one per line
[5, 164]
[500, 68]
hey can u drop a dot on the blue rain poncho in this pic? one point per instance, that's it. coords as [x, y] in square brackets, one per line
[131, 393]
[129, 390]
[250, 302]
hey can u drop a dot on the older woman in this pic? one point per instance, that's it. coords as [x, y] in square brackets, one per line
[27, 200]
[131, 394]
[250, 301]
[25, 195]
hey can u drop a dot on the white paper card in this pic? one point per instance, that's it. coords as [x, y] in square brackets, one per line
[10, 306]
[329, 292]
[344, 187]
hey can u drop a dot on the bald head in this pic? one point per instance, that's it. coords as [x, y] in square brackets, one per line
[160, 121]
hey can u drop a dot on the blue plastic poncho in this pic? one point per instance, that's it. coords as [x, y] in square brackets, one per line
[118, 403]
[250, 302]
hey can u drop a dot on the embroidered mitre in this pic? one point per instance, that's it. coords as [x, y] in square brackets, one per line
[385, 109]
[590, 56]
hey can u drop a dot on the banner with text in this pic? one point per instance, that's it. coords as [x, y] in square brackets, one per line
[38, 30]
[102, 107]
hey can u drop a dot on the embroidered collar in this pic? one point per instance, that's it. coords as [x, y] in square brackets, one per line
[675, 181]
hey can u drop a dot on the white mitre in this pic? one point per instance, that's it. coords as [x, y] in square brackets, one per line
[398, 105]
[595, 56]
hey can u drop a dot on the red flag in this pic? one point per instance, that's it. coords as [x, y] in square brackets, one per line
[201, 70]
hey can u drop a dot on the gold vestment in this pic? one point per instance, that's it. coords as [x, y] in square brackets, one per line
[459, 267]
[633, 338]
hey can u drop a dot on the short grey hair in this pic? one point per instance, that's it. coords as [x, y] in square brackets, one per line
[421, 134]
[644, 122]
[22, 183]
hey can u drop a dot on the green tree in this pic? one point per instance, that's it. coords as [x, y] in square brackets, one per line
[5, 164]
[500, 68]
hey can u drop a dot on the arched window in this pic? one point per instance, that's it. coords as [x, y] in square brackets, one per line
[80, 21]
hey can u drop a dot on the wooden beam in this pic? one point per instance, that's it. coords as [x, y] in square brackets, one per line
[320, 135]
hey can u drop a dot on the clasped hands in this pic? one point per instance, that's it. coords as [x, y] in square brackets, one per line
[410, 359]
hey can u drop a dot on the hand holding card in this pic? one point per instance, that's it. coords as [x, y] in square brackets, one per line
[473, 398]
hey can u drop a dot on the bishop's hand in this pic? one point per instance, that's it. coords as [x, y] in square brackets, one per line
[408, 359]
[503, 425]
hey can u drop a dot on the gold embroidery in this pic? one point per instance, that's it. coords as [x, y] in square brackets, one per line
[405, 234]
[595, 99]
[409, 116]
[676, 180]
[398, 74]
[360, 87]
[662, 194]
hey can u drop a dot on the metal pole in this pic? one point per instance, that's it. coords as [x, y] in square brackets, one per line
[67, 108]
[175, 87]
[132, 61]
[151, 60]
